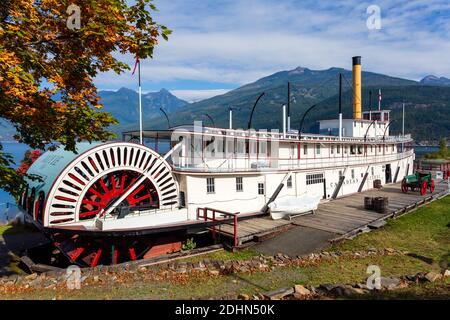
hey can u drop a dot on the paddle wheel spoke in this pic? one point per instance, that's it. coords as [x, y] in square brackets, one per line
[109, 188]
[95, 192]
[89, 213]
[103, 185]
[144, 197]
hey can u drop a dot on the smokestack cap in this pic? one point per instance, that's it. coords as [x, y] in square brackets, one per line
[356, 61]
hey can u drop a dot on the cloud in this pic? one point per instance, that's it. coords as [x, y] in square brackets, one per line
[197, 95]
[235, 42]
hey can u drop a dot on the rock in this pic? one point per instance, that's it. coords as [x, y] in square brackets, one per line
[96, 279]
[214, 272]
[244, 296]
[301, 290]
[433, 276]
[31, 276]
[390, 250]
[142, 269]
[279, 294]
[343, 290]
[390, 283]
[181, 270]
[327, 287]
[446, 273]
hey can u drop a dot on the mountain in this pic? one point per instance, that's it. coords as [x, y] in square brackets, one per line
[123, 104]
[427, 107]
[435, 81]
[307, 87]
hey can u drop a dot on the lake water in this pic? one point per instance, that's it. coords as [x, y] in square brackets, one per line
[7, 207]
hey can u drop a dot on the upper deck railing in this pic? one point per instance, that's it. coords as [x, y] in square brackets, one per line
[262, 134]
[251, 164]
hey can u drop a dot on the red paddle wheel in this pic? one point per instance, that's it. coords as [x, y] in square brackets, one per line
[87, 187]
[110, 187]
[103, 192]
[85, 251]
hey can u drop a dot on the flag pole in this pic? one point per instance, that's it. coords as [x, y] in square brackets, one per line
[140, 102]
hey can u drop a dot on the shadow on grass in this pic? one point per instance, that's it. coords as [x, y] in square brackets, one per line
[421, 258]
[249, 282]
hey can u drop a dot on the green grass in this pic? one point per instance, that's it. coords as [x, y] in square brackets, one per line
[223, 255]
[424, 233]
[12, 229]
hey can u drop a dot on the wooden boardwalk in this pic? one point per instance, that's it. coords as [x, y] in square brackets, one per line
[343, 216]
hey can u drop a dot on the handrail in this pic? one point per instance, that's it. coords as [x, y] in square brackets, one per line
[214, 219]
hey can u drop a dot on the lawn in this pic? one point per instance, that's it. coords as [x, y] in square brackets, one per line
[424, 234]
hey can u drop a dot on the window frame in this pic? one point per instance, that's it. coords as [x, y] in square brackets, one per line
[210, 185]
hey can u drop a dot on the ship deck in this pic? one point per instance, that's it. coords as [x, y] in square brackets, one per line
[344, 216]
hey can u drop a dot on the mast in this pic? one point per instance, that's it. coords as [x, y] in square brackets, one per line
[140, 102]
[340, 106]
[289, 108]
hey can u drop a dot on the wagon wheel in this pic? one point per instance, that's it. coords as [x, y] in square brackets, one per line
[423, 189]
[432, 186]
[404, 186]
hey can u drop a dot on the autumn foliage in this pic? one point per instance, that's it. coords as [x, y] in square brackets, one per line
[30, 157]
[47, 69]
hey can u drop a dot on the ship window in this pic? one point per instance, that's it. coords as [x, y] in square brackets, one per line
[371, 148]
[352, 149]
[253, 145]
[338, 149]
[240, 146]
[239, 184]
[345, 149]
[261, 188]
[305, 149]
[210, 186]
[230, 144]
[332, 149]
[379, 148]
[289, 182]
[373, 173]
[393, 148]
[317, 148]
[359, 149]
[263, 147]
[314, 178]
[353, 173]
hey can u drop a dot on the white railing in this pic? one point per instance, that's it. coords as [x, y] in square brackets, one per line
[295, 136]
[233, 165]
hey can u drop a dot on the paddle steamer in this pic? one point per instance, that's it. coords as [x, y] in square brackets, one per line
[117, 201]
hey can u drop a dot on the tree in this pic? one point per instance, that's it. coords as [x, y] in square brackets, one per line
[50, 52]
[443, 150]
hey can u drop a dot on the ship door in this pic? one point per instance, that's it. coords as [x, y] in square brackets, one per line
[388, 173]
[315, 184]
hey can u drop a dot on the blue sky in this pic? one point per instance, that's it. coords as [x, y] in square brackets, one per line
[218, 45]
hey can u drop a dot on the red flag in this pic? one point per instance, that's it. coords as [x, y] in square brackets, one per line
[135, 65]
